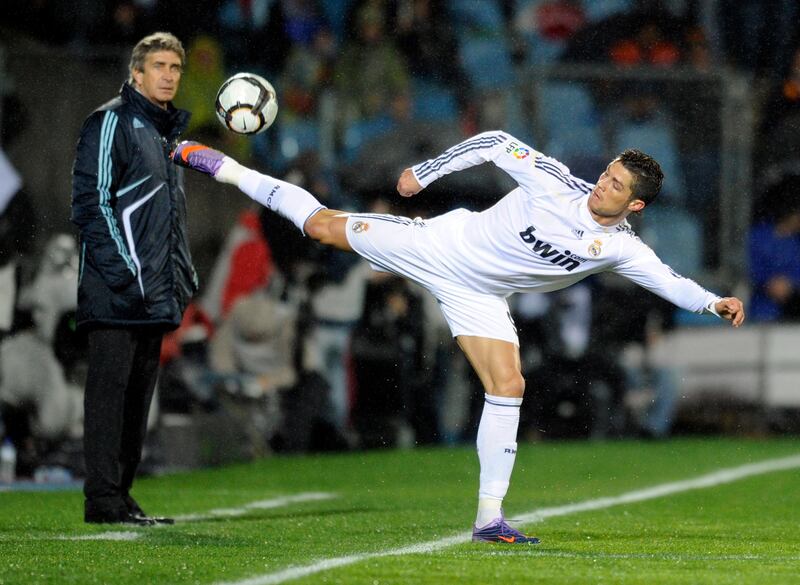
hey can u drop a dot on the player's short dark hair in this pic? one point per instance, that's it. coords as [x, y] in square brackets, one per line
[647, 174]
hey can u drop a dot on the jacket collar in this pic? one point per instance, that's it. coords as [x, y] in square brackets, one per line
[170, 122]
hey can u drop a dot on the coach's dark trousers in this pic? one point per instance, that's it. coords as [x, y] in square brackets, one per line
[123, 368]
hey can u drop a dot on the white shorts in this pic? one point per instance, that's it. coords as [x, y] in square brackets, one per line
[400, 245]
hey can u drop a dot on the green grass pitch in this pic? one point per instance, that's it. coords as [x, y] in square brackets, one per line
[382, 504]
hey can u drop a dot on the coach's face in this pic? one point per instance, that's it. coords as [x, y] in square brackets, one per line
[159, 79]
[612, 198]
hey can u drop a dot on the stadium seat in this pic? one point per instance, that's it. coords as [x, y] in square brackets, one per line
[676, 236]
[540, 49]
[571, 121]
[433, 101]
[276, 148]
[298, 135]
[335, 12]
[484, 52]
[598, 10]
[481, 17]
[361, 131]
[486, 62]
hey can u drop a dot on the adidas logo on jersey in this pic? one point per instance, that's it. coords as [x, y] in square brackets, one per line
[549, 252]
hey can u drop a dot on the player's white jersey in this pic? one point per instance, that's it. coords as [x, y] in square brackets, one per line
[541, 236]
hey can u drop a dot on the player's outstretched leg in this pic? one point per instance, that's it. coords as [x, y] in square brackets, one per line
[290, 201]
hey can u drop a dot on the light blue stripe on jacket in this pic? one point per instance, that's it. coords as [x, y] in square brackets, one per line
[104, 164]
[126, 190]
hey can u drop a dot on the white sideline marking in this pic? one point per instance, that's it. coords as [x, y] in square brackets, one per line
[218, 513]
[105, 536]
[715, 478]
[259, 505]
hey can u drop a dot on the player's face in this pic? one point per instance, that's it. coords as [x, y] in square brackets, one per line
[612, 198]
[159, 79]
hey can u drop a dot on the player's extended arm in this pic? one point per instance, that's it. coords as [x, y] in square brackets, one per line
[644, 268]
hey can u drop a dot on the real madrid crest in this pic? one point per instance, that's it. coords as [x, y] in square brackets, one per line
[360, 226]
[595, 248]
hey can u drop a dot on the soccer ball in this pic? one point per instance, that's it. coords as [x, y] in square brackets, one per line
[246, 104]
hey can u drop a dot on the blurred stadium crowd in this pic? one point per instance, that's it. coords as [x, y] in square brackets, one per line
[366, 88]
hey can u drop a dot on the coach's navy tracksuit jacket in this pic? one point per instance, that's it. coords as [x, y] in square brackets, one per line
[129, 204]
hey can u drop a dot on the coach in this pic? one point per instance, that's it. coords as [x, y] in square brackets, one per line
[136, 274]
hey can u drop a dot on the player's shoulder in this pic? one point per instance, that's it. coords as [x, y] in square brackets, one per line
[520, 149]
[560, 173]
[487, 139]
[624, 228]
[631, 245]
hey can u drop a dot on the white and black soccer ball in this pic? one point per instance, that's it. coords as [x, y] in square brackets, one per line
[246, 103]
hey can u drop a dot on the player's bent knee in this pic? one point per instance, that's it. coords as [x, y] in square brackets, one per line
[313, 230]
[512, 385]
[317, 227]
[328, 227]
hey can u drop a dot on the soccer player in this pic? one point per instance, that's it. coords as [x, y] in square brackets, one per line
[550, 232]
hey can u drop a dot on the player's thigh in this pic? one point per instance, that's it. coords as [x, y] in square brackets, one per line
[390, 243]
[496, 362]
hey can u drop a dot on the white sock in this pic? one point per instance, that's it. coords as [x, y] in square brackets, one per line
[230, 171]
[497, 450]
[287, 200]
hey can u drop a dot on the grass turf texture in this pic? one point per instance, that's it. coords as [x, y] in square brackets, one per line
[743, 532]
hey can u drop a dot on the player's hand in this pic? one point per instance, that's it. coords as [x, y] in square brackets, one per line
[732, 309]
[407, 184]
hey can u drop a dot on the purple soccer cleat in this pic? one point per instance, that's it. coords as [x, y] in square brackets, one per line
[498, 530]
[199, 157]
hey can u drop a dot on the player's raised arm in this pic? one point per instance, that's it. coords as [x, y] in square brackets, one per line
[473, 151]
[532, 170]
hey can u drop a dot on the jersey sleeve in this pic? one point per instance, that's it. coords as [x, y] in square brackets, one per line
[94, 179]
[640, 264]
[533, 171]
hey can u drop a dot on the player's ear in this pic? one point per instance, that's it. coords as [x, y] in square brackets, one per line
[636, 205]
[138, 76]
